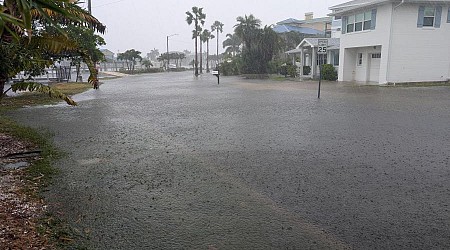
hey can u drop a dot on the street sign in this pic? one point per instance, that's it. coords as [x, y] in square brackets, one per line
[322, 47]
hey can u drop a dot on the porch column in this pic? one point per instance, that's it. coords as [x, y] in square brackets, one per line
[302, 62]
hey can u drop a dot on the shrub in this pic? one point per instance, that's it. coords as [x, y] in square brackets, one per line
[306, 70]
[230, 68]
[329, 72]
[292, 70]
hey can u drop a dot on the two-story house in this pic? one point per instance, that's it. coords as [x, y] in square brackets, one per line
[394, 41]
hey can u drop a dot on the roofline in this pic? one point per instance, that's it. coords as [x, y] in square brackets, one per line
[346, 7]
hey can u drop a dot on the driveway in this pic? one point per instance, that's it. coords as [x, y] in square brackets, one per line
[169, 161]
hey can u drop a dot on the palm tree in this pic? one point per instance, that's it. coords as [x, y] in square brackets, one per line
[218, 27]
[198, 18]
[205, 37]
[245, 29]
[232, 44]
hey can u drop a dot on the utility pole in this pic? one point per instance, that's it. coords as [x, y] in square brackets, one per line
[89, 6]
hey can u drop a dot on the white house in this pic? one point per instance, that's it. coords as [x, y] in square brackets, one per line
[394, 41]
[307, 51]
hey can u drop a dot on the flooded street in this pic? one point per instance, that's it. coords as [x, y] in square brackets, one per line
[167, 161]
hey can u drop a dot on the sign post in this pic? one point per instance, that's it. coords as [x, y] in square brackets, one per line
[321, 50]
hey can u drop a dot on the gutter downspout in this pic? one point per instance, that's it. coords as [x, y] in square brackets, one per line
[390, 40]
[403, 1]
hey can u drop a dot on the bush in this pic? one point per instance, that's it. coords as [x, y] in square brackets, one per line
[329, 72]
[292, 70]
[306, 70]
[231, 68]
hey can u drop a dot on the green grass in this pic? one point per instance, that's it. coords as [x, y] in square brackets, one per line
[41, 168]
[33, 99]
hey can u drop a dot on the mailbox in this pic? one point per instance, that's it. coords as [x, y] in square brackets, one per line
[217, 74]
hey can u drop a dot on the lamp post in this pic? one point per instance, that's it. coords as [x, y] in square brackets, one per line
[168, 57]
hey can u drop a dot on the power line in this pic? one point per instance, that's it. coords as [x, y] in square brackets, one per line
[106, 4]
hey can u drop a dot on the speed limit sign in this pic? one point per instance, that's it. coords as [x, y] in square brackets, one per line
[322, 48]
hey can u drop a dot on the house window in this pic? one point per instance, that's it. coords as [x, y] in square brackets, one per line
[360, 22]
[360, 59]
[334, 57]
[351, 24]
[428, 17]
[376, 55]
[448, 15]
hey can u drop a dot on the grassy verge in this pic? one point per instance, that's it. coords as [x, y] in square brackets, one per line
[39, 175]
[33, 99]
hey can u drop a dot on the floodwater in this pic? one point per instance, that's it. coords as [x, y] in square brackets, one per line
[167, 161]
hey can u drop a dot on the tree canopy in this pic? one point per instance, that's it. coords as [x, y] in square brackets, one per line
[37, 30]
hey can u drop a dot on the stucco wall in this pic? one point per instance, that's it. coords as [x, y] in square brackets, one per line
[418, 54]
[369, 38]
[409, 54]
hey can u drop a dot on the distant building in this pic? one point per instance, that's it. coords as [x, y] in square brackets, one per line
[109, 55]
[308, 27]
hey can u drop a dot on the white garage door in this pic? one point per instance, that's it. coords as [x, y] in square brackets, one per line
[374, 73]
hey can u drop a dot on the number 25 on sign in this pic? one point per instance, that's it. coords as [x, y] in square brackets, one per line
[322, 46]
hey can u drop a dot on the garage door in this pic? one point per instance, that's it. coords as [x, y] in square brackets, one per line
[374, 72]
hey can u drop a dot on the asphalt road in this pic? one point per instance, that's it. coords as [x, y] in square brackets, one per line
[166, 161]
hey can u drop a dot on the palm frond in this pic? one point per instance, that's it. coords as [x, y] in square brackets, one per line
[38, 87]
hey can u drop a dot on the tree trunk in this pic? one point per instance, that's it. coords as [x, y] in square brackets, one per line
[196, 58]
[217, 51]
[2, 86]
[207, 56]
[201, 56]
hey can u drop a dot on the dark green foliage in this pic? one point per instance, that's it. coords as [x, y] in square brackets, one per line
[329, 72]
[291, 70]
[231, 68]
[264, 45]
[306, 70]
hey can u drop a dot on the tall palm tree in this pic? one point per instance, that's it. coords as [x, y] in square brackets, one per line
[232, 44]
[205, 37]
[245, 28]
[218, 27]
[197, 17]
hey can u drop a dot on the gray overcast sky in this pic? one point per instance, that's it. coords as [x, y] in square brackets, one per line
[144, 24]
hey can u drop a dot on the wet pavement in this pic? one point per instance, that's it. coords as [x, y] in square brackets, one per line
[166, 161]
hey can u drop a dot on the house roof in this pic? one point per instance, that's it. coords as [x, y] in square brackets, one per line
[296, 21]
[314, 42]
[302, 30]
[333, 44]
[358, 4]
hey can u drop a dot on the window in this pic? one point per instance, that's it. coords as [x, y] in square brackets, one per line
[428, 18]
[351, 24]
[360, 59]
[367, 20]
[335, 56]
[360, 22]
[448, 15]
[376, 55]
